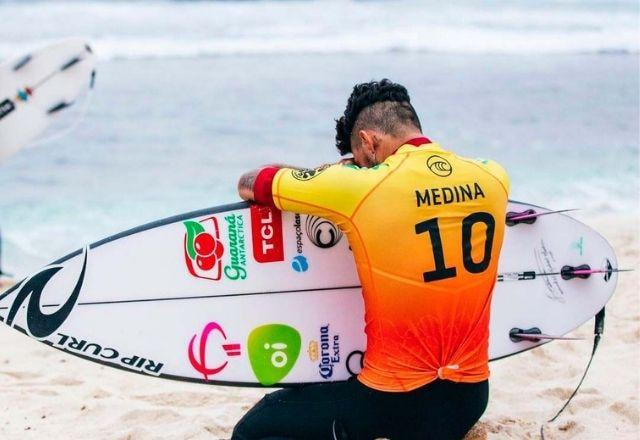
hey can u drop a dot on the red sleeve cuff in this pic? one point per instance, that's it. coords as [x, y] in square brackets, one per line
[262, 187]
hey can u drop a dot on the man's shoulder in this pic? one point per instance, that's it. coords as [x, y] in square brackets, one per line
[441, 161]
[491, 167]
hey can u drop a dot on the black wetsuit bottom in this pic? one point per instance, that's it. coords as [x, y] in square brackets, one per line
[350, 410]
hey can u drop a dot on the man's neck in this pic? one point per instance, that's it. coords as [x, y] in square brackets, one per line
[399, 141]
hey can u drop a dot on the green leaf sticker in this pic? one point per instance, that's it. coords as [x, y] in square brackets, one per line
[193, 229]
[273, 351]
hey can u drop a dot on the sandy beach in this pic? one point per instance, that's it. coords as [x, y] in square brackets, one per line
[49, 394]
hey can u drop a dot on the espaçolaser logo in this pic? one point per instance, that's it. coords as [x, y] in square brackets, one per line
[273, 351]
[203, 249]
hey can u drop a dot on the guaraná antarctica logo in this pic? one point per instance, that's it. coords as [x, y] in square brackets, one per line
[321, 232]
[203, 249]
[198, 359]
[273, 351]
[237, 269]
[439, 166]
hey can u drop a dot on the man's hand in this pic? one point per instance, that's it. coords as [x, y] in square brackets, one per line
[347, 161]
[245, 185]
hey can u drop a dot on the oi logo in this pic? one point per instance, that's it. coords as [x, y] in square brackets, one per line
[273, 351]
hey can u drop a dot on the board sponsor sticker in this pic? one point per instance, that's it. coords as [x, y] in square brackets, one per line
[208, 345]
[266, 234]
[321, 232]
[103, 352]
[40, 325]
[299, 263]
[355, 362]
[236, 268]
[273, 351]
[329, 352]
[203, 249]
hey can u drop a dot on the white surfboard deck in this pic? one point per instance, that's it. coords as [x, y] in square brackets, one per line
[282, 305]
[24, 117]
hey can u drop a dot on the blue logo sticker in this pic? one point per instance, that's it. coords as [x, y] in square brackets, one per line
[299, 263]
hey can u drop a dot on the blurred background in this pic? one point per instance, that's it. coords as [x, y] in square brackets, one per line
[191, 94]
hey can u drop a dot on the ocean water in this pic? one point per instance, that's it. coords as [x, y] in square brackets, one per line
[191, 94]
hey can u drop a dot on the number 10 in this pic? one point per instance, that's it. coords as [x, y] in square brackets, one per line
[441, 271]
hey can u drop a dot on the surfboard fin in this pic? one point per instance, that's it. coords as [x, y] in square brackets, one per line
[72, 62]
[534, 334]
[22, 62]
[59, 106]
[529, 216]
[92, 81]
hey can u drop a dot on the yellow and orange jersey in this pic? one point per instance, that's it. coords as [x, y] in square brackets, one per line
[426, 227]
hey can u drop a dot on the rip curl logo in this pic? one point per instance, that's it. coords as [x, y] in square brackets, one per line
[322, 233]
[199, 363]
[308, 174]
[439, 166]
[41, 325]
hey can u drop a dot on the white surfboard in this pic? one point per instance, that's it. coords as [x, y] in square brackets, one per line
[37, 87]
[252, 296]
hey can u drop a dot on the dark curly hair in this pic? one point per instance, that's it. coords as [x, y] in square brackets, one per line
[383, 105]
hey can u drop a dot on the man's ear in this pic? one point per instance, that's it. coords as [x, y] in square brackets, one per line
[367, 142]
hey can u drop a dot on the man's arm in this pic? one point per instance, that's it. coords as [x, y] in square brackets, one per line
[246, 184]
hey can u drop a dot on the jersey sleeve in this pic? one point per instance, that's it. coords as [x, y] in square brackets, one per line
[328, 191]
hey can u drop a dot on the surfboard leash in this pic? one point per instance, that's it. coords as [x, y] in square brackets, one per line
[597, 335]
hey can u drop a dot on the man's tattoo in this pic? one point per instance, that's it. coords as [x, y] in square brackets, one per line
[247, 180]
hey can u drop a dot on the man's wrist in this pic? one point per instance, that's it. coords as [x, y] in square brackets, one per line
[262, 187]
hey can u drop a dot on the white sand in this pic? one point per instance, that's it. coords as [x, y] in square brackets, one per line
[48, 394]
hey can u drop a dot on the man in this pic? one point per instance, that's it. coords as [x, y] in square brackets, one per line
[426, 228]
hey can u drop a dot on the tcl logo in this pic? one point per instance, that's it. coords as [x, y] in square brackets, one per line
[266, 230]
